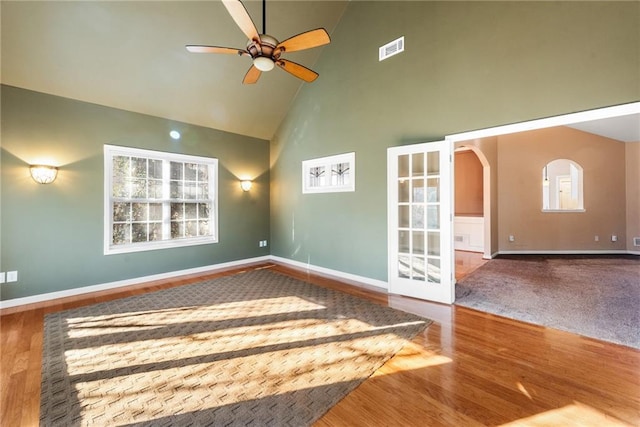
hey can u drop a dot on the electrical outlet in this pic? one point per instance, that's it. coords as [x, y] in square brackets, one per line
[264, 243]
[12, 276]
[597, 238]
[614, 238]
[512, 238]
[2, 277]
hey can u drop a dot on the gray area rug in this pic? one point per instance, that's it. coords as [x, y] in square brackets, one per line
[252, 349]
[597, 297]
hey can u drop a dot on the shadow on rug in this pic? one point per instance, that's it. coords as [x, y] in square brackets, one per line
[255, 348]
[597, 297]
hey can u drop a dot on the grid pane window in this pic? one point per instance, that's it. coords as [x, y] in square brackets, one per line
[419, 216]
[329, 174]
[156, 200]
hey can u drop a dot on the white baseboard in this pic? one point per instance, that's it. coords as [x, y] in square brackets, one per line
[128, 282]
[568, 252]
[349, 278]
[321, 271]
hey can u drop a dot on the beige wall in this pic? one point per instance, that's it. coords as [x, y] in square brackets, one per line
[521, 158]
[632, 157]
[468, 184]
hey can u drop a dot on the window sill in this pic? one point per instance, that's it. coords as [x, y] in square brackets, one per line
[166, 244]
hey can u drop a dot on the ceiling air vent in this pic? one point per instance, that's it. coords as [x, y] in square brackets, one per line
[391, 49]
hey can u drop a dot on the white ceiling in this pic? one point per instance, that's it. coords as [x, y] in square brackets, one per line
[622, 128]
[131, 55]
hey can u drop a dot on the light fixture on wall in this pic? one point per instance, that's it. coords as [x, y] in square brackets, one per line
[245, 185]
[545, 181]
[43, 174]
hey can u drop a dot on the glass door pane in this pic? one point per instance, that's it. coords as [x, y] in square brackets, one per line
[433, 163]
[403, 166]
[417, 164]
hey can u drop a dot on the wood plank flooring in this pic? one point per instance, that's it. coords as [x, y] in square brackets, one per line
[467, 369]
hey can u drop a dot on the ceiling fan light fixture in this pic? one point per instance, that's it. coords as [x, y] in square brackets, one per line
[265, 50]
[263, 63]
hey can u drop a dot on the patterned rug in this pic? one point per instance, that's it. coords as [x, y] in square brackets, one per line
[594, 296]
[255, 348]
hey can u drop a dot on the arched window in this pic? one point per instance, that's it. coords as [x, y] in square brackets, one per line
[562, 186]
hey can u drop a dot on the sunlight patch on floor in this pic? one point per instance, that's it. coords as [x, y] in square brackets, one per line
[523, 390]
[79, 327]
[247, 379]
[411, 357]
[576, 414]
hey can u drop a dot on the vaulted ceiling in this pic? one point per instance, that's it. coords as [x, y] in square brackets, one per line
[131, 55]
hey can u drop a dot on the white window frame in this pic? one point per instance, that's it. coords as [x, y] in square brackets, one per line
[577, 187]
[111, 151]
[327, 165]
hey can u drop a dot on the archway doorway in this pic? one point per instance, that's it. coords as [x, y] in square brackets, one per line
[472, 207]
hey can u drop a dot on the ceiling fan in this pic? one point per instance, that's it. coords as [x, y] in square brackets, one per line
[265, 50]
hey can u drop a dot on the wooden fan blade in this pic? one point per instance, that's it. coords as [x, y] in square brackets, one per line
[240, 15]
[252, 76]
[307, 40]
[297, 70]
[215, 49]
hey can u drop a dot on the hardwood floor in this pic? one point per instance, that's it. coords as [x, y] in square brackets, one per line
[466, 262]
[467, 369]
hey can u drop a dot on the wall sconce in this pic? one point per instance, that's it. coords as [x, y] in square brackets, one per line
[245, 185]
[43, 174]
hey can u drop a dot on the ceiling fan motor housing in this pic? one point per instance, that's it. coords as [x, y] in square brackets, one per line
[266, 47]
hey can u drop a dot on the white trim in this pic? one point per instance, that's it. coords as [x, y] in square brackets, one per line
[349, 278]
[633, 252]
[568, 252]
[128, 282]
[565, 119]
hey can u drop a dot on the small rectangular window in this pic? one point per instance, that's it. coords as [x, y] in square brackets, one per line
[156, 200]
[329, 174]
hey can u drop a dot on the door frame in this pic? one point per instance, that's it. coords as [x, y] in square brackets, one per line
[486, 194]
[547, 122]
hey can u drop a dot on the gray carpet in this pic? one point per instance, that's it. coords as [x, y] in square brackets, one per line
[252, 349]
[597, 296]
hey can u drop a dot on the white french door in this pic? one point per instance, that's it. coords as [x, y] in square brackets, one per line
[420, 222]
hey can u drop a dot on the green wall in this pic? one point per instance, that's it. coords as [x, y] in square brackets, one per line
[466, 65]
[53, 234]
